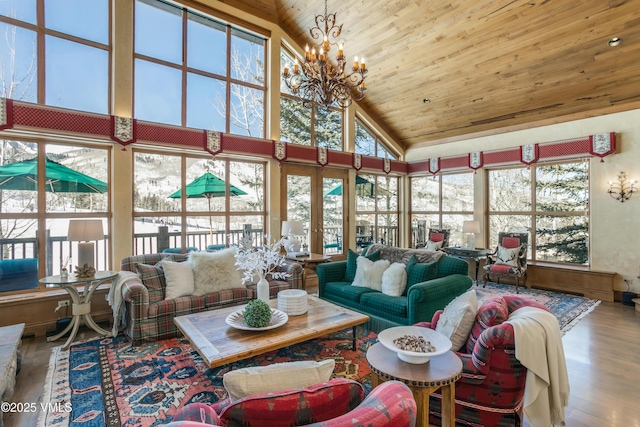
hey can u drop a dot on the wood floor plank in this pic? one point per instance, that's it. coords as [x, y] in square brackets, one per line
[601, 353]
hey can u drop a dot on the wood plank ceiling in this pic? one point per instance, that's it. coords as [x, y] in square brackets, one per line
[485, 65]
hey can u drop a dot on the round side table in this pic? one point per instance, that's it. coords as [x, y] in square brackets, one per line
[80, 301]
[440, 372]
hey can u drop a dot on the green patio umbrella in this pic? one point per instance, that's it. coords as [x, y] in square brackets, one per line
[364, 187]
[208, 186]
[59, 178]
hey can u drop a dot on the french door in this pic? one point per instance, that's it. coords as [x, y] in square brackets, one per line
[317, 197]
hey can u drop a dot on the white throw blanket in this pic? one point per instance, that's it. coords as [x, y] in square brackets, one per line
[539, 349]
[115, 300]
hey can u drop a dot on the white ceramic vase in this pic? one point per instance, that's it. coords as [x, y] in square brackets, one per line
[263, 290]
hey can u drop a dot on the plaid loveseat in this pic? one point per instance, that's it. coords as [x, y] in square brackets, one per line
[491, 389]
[445, 278]
[149, 317]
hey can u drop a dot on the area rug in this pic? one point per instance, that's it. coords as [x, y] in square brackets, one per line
[106, 382]
[567, 308]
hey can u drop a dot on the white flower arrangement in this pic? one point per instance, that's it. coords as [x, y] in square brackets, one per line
[261, 261]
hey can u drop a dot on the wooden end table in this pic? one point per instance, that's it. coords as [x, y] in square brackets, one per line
[309, 264]
[80, 301]
[469, 253]
[440, 372]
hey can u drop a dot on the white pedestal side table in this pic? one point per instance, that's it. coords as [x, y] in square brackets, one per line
[80, 301]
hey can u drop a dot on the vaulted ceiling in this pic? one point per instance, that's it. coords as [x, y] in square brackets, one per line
[440, 70]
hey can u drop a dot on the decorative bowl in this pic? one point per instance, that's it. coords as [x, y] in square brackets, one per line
[439, 341]
[293, 301]
[236, 320]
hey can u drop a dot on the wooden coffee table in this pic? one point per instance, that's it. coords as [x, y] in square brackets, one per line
[440, 372]
[219, 343]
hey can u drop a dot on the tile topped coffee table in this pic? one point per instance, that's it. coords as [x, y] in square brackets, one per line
[219, 343]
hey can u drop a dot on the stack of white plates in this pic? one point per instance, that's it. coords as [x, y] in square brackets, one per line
[293, 301]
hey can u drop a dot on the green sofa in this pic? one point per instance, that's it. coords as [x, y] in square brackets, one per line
[419, 302]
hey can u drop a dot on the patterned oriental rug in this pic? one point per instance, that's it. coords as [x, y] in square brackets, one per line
[109, 383]
[106, 382]
[567, 308]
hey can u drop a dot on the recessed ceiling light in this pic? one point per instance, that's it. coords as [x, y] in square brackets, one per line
[614, 42]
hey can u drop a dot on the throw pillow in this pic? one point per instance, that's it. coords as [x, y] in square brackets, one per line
[277, 377]
[215, 271]
[433, 246]
[352, 265]
[394, 279]
[508, 256]
[152, 277]
[418, 272]
[457, 319]
[369, 273]
[179, 278]
[309, 405]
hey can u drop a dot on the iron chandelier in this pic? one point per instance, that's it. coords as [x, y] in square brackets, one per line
[317, 81]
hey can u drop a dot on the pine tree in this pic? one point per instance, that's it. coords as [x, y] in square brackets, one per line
[563, 188]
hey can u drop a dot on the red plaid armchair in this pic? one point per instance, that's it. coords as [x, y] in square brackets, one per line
[491, 389]
[337, 403]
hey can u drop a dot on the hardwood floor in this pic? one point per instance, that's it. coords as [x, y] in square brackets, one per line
[602, 353]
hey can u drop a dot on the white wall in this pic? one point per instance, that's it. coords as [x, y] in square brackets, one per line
[615, 226]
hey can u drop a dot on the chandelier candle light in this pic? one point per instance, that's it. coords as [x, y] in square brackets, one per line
[317, 81]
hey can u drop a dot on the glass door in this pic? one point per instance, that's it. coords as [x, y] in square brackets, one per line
[317, 197]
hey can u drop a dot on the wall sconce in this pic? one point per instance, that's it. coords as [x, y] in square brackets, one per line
[622, 189]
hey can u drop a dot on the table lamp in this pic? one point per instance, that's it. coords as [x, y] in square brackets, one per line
[290, 229]
[85, 231]
[470, 228]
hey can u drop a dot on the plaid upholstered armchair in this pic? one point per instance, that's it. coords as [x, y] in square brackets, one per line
[337, 403]
[509, 259]
[491, 389]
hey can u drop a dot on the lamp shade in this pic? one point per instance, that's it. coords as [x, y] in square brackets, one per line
[294, 228]
[85, 230]
[471, 227]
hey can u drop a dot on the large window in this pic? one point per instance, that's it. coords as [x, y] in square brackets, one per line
[35, 210]
[548, 201]
[192, 70]
[377, 210]
[368, 143]
[224, 200]
[318, 126]
[443, 201]
[56, 53]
